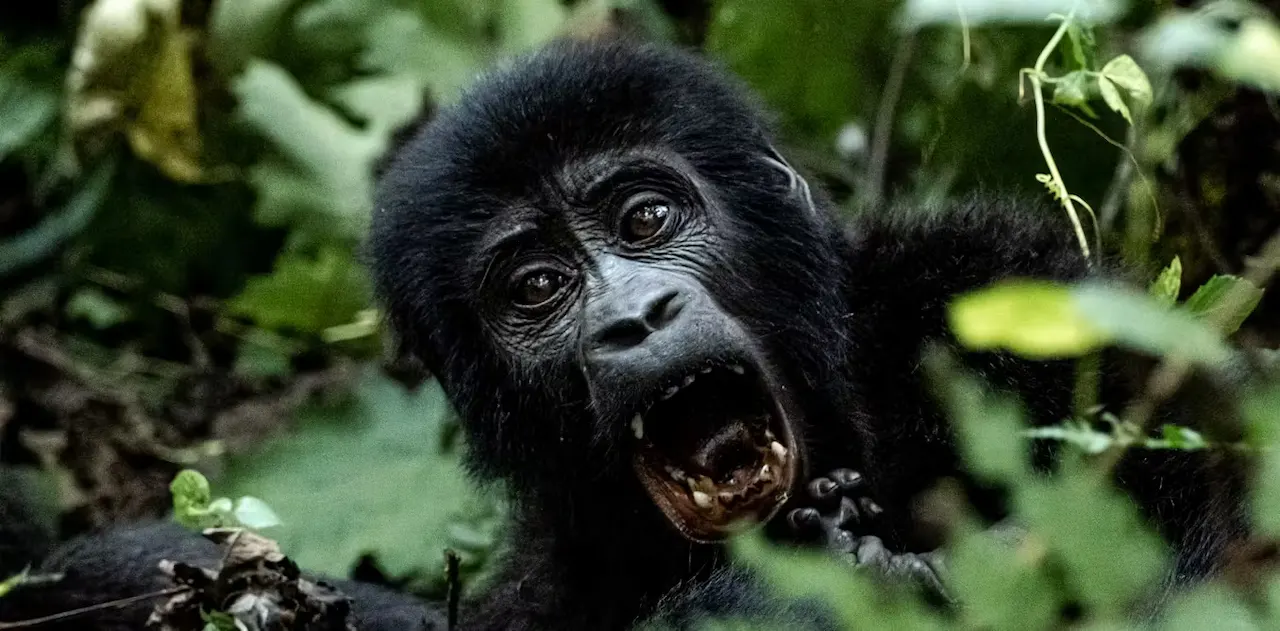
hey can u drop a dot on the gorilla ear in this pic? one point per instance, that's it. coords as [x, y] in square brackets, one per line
[796, 184]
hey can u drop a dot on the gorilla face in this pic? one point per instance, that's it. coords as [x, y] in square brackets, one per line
[613, 286]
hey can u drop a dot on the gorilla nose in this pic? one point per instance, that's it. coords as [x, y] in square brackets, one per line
[628, 322]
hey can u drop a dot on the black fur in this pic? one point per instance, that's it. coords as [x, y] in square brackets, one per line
[842, 310]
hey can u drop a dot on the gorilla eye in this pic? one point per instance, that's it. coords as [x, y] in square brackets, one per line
[644, 221]
[538, 287]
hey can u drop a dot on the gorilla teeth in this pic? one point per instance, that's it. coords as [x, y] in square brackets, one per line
[706, 370]
[637, 427]
[775, 446]
[726, 496]
[670, 392]
[701, 499]
[766, 474]
[688, 381]
[738, 369]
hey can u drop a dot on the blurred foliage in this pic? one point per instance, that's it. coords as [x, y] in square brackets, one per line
[184, 186]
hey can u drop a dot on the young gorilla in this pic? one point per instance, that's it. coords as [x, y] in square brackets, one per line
[653, 329]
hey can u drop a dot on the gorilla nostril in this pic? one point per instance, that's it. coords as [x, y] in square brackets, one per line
[623, 334]
[664, 309]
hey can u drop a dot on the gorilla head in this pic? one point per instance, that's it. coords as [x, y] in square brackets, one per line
[619, 282]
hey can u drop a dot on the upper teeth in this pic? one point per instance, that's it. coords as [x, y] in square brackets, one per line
[701, 499]
[637, 427]
[775, 446]
[737, 369]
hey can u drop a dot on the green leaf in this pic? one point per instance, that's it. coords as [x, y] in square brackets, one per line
[1136, 320]
[1112, 97]
[1032, 318]
[1124, 72]
[1183, 438]
[1168, 285]
[305, 294]
[368, 475]
[1073, 513]
[263, 354]
[989, 424]
[240, 30]
[1082, 44]
[102, 311]
[852, 596]
[1000, 587]
[1261, 411]
[321, 176]
[1211, 606]
[1073, 89]
[191, 498]
[1210, 301]
[1080, 434]
[252, 512]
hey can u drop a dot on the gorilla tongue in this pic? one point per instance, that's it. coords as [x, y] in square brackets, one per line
[728, 450]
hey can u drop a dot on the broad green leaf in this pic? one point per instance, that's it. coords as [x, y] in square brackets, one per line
[323, 175]
[240, 30]
[385, 102]
[1168, 285]
[1261, 411]
[852, 596]
[305, 294]
[1124, 72]
[989, 425]
[524, 24]
[1001, 586]
[1211, 606]
[255, 513]
[1136, 320]
[1072, 89]
[263, 354]
[1073, 513]
[191, 498]
[1082, 44]
[1032, 318]
[1210, 301]
[400, 44]
[1112, 97]
[368, 475]
[165, 131]
[1253, 55]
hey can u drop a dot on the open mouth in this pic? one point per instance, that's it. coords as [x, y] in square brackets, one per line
[716, 450]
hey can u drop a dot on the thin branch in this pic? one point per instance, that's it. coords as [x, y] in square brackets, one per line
[111, 604]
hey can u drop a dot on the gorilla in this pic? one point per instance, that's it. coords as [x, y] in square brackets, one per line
[655, 332]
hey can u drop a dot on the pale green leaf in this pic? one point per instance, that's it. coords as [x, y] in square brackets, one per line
[1210, 301]
[254, 513]
[1032, 318]
[323, 176]
[1211, 606]
[1124, 72]
[1073, 89]
[306, 294]
[1073, 513]
[368, 475]
[1168, 285]
[1112, 97]
[1138, 321]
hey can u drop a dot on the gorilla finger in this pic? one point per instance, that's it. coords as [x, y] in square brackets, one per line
[823, 491]
[849, 514]
[871, 551]
[842, 541]
[805, 521]
[870, 509]
[846, 479]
